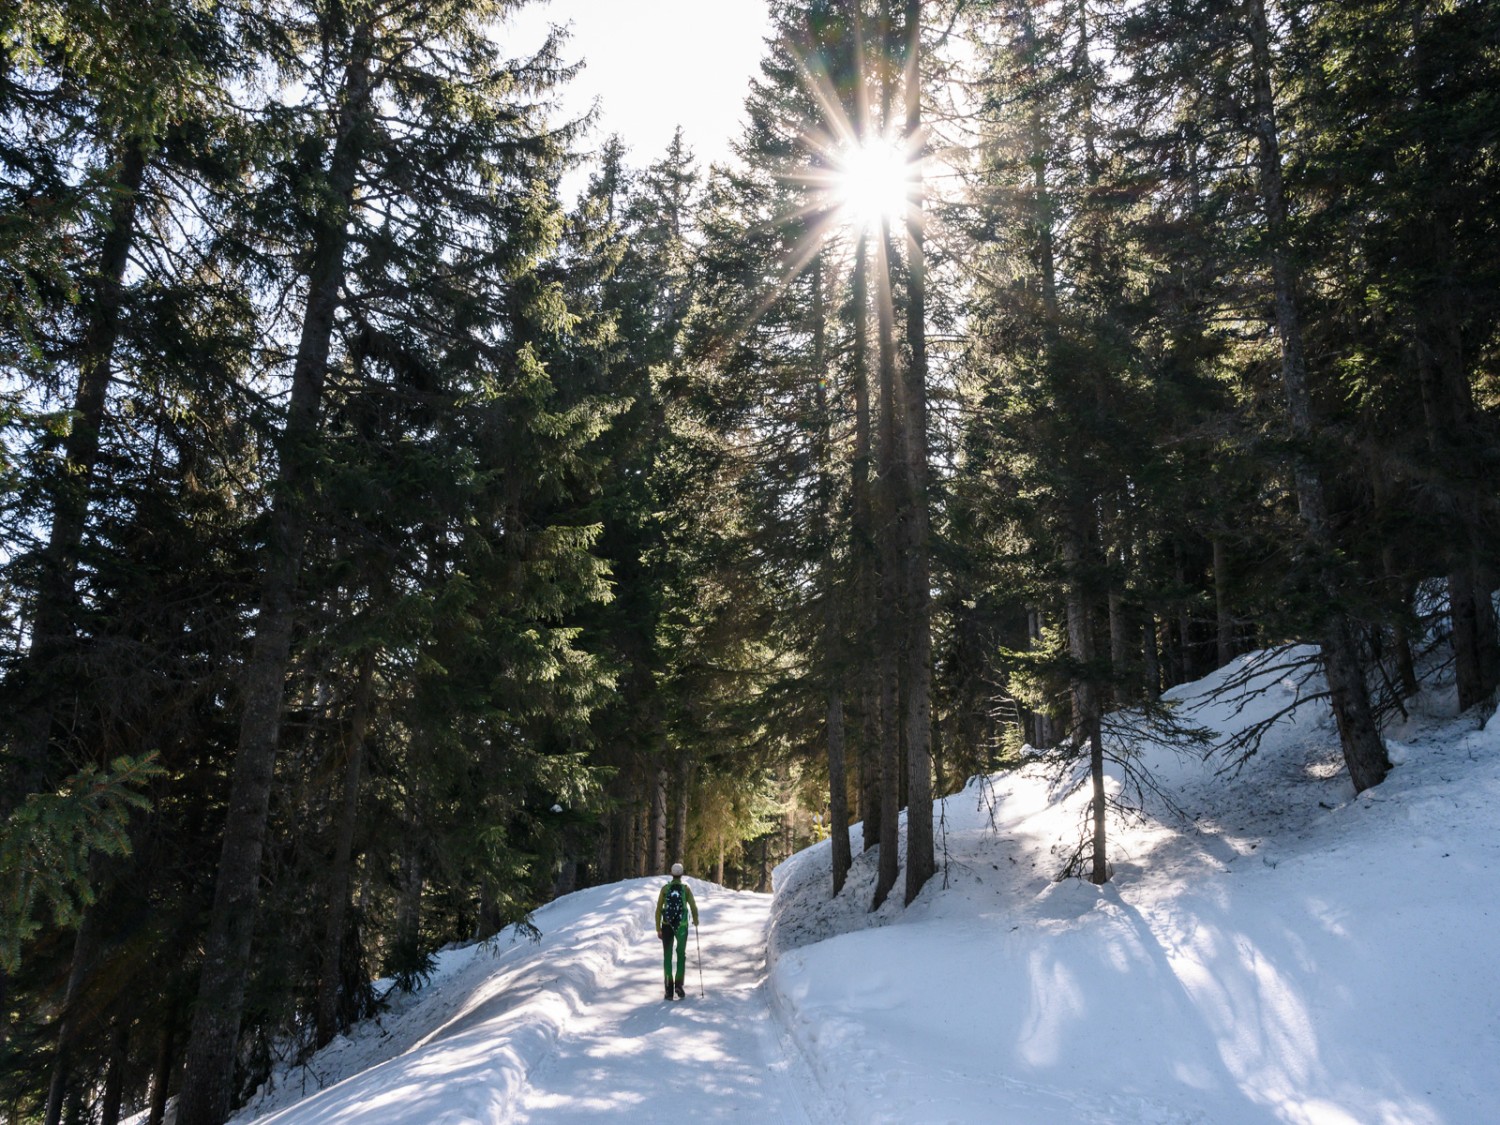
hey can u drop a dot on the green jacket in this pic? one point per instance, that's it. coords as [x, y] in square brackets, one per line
[687, 897]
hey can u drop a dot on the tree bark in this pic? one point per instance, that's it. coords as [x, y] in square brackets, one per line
[1119, 640]
[1086, 702]
[114, 1078]
[659, 822]
[207, 1090]
[340, 875]
[920, 860]
[681, 786]
[84, 943]
[891, 509]
[833, 648]
[889, 633]
[161, 1071]
[862, 532]
[1364, 752]
[1224, 626]
[1151, 658]
[1184, 614]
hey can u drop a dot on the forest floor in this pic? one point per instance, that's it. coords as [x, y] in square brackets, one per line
[1272, 947]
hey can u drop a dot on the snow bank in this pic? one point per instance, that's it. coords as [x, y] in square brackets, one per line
[460, 1049]
[1283, 950]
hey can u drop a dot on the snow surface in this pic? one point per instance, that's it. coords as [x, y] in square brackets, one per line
[1277, 949]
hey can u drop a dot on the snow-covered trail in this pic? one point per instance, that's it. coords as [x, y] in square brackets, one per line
[574, 1028]
[714, 1056]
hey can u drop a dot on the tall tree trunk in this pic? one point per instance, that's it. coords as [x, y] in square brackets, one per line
[68, 1025]
[1151, 659]
[1224, 624]
[53, 624]
[114, 1078]
[920, 860]
[640, 825]
[163, 1068]
[1086, 702]
[659, 822]
[681, 786]
[833, 648]
[1448, 406]
[341, 871]
[862, 532]
[208, 1082]
[411, 882]
[889, 634]
[1364, 752]
[891, 509]
[1119, 640]
[1184, 614]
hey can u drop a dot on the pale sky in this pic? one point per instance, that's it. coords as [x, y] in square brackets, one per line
[657, 64]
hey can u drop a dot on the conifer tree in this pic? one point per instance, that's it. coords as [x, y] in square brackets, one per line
[427, 223]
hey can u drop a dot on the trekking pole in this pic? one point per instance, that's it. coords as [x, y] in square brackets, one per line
[699, 945]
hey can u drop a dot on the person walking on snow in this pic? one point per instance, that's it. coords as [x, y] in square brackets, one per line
[672, 907]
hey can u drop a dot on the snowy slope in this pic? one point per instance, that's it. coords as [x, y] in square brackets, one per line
[1292, 953]
[1285, 951]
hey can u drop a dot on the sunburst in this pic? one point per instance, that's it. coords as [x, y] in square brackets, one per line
[871, 183]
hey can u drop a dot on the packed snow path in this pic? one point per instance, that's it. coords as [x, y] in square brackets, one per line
[574, 1029]
[713, 1056]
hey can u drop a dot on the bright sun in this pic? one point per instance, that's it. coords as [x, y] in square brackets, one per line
[872, 182]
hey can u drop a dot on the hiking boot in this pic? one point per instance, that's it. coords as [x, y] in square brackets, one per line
[669, 990]
[680, 993]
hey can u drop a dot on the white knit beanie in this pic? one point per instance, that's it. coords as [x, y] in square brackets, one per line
[676, 869]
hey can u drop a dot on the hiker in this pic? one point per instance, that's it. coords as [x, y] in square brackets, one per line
[672, 907]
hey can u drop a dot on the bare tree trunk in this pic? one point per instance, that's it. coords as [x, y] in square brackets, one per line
[1224, 632]
[409, 900]
[84, 943]
[891, 510]
[920, 860]
[659, 822]
[833, 648]
[1119, 637]
[1364, 752]
[165, 1065]
[1184, 614]
[1150, 658]
[683, 786]
[1086, 704]
[867, 623]
[340, 875]
[114, 1078]
[1406, 665]
[888, 635]
[640, 840]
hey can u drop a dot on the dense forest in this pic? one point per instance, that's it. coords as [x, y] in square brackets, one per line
[390, 543]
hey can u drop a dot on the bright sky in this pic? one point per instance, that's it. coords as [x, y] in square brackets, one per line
[657, 64]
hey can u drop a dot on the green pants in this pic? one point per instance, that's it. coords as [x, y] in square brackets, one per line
[666, 952]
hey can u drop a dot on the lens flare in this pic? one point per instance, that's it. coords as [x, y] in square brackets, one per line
[872, 183]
